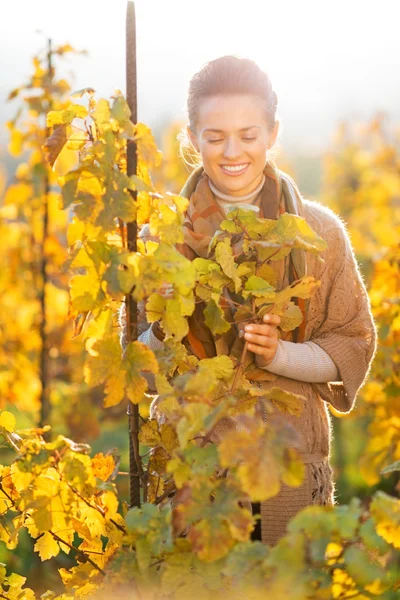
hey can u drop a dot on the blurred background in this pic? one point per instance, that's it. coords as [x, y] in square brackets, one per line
[335, 67]
[328, 61]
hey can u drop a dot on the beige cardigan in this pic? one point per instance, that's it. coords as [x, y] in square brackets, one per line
[340, 322]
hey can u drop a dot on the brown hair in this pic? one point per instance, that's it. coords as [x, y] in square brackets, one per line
[225, 75]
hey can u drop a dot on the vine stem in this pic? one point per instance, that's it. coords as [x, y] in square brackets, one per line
[78, 551]
[238, 374]
[171, 488]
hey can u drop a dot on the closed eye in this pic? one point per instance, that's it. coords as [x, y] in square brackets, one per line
[246, 139]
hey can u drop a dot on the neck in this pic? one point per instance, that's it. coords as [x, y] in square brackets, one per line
[230, 198]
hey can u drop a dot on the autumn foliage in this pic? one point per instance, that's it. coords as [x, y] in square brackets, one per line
[191, 535]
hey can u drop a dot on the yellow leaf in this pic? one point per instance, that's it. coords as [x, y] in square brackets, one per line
[192, 423]
[18, 194]
[385, 511]
[84, 290]
[114, 389]
[224, 257]
[260, 457]
[90, 184]
[169, 438]
[103, 466]
[180, 470]
[66, 161]
[146, 146]
[101, 113]
[109, 502]
[7, 420]
[46, 546]
[75, 231]
[138, 357]
[155, 308]
[66, 116]
[149, 434]
[15, 145]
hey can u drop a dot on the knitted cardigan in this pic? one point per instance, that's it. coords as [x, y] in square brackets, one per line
[340, 322]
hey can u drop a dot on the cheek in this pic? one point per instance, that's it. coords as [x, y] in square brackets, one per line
[260, 150]
[209, 153]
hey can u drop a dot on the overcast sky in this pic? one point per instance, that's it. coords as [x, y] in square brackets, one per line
[327, 59]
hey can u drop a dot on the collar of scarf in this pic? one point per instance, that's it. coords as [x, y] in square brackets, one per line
[203, 217]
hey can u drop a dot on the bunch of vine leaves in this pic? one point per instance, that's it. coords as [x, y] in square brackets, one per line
[200, 546]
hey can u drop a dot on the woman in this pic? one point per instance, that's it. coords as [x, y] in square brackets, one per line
[232, 129]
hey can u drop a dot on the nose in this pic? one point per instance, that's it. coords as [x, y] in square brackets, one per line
[232, 148]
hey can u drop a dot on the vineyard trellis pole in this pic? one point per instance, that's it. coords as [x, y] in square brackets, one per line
[131, 304]
[43, 360]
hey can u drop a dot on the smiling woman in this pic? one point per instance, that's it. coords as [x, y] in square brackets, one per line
[232, 128]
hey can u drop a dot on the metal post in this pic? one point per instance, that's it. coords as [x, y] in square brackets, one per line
[44, 357]
[131, 304]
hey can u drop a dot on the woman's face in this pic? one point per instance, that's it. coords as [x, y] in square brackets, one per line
[232, 131]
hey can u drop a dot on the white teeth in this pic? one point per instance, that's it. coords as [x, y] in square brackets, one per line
[234, 168]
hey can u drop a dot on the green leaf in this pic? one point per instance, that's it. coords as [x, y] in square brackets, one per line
[361, 567]
[287, 402]
[371, 539]
[209, 373]
[258, 287]
[291, 318]
[214, 318]
[242, 220]
[294, 230]
[192, 422]
[304, 288]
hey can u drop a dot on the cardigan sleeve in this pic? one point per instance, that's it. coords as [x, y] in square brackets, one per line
[348, 332]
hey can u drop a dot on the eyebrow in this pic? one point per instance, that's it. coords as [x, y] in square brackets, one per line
[222, 131]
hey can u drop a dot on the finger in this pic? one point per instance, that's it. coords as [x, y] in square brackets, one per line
[241, 328]
[268, 330]
[261, 350]
[260, 340]
[272, 319]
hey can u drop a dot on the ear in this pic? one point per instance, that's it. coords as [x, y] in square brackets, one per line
[192, 137]
[274, 134]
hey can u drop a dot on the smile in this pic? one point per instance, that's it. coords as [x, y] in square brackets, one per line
[234, 169]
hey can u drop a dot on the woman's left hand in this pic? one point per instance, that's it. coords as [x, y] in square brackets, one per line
[262, 339]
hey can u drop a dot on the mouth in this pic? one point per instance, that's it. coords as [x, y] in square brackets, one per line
[234, 170]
